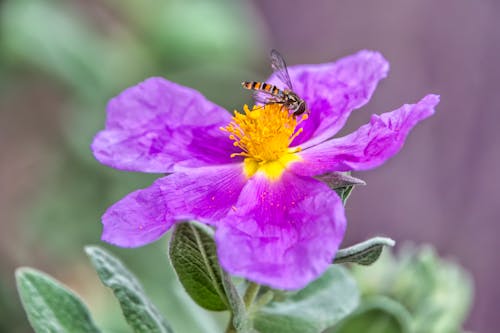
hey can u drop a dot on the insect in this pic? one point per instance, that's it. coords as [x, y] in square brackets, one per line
[266, 93]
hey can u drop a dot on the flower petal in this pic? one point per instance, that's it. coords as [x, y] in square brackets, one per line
[158, 125]
[283, 234]
[140, 218]
[204, 194]
[369, 146]
[333, 90]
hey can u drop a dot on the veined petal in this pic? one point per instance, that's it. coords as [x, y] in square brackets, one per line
[158, 125]
[283, 234]
[368, 147]
[142, 217]
[333, 90]
[204, 194]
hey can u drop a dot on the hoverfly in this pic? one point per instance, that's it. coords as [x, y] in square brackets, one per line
[266, 93]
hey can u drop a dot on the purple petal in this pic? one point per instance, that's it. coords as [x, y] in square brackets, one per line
[140, 218]
[282, 234]
[369, 146]
[333, 90]
[158, 125]
[143, 216]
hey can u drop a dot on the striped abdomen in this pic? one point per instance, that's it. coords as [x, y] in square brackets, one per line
[262, 86]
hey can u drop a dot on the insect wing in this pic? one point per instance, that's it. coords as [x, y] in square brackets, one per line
[263, 97]
[279, 67]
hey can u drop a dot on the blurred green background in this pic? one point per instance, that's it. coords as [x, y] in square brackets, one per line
[61, 61]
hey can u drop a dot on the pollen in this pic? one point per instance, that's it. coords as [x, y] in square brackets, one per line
[264, 135]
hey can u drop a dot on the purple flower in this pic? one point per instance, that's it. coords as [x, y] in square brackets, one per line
[251, 176]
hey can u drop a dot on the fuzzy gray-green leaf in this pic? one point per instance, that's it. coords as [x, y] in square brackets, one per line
[341, 182]
[194, 257]
[318, 306]
[138, 310]
[376, 315]
[364, 253]
[51, 307]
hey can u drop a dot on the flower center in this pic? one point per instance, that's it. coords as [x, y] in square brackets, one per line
[264, 135]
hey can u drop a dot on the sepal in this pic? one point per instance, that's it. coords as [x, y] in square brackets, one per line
[340, 179]
[364, 253]
[341, 182]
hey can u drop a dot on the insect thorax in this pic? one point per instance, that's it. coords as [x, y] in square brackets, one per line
[293, 100]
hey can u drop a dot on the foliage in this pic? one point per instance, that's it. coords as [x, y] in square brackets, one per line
[415, 291]
[140, 312]
[193, 255]
[311, 310]
[50, 306]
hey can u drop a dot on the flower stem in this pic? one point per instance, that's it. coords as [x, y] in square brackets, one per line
[264, 299]
[250, 294]
[230, 327]
[239, 321]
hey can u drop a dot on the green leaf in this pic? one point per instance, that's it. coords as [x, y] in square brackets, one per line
[377, 315]
[344, 192]
[138, 310]
[320, 305]
[194, 257]
[50, 306]
[364, 253]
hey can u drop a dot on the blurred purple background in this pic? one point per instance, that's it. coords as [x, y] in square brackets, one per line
[443, 188]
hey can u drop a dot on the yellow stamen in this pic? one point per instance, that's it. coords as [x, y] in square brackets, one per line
[264, 135]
